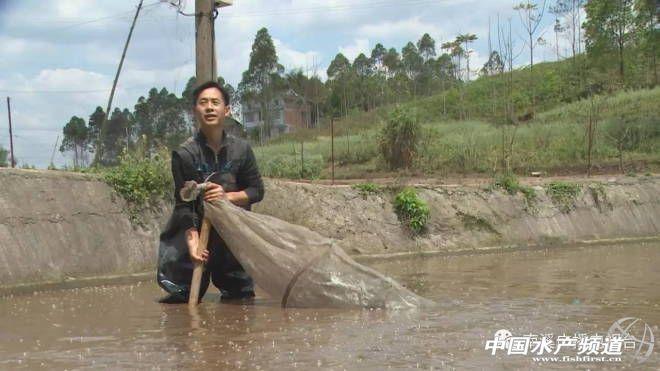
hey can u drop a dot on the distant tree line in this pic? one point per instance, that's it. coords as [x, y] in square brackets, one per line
[620, 36]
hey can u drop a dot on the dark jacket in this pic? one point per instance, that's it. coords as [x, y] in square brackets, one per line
[234, 168]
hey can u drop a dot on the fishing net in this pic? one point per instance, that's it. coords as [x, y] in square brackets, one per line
[299, 266]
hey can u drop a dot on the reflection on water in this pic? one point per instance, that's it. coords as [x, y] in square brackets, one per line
[555, 291]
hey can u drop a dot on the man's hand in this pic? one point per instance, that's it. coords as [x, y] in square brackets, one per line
[213, 192]
[192, 238]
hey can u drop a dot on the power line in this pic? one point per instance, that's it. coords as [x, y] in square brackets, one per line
[351, 7]
[100, 19]
[231, 13]
[64, 91]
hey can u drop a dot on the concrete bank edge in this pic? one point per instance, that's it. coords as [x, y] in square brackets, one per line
[130, 278]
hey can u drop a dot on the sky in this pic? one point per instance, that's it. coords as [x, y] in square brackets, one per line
[58, 58]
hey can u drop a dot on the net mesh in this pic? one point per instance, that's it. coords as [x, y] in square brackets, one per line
[301, 267]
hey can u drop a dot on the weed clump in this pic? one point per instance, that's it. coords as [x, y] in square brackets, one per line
[399, 138]
[563, 194]
[366, 189]
[510, 184]
[412, 210]
[140, 180]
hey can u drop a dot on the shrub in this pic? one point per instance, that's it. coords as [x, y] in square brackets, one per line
[4, 154]
[563, 194]
[399, 138]
[509, 183]
[142, 181]
[367, 188]
[411, 210]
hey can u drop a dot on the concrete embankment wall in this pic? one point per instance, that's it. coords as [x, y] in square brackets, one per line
[60, 227]
[57, 226]
[470, 217]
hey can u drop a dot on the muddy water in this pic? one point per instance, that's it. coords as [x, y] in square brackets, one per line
[555, 291]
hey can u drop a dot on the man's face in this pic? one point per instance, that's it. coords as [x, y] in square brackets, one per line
[210, 108]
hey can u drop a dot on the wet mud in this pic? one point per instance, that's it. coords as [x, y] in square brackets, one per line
[549, 291]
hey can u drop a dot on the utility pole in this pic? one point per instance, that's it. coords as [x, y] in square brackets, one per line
[205, 61]
[99, 147]
[52, 156]
[332, 146]
[11, 136]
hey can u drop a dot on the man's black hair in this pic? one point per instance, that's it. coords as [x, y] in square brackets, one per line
[210, 84]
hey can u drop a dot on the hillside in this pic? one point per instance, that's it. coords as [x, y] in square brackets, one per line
[626, 138]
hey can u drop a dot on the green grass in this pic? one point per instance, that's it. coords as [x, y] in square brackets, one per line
[472, 222]
[553, 142]
[563, 194]
[599, 195]
[411, 210]
[141, 181]
[509, 183]
[366, 189]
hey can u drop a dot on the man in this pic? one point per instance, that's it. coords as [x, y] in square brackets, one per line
[228, 164]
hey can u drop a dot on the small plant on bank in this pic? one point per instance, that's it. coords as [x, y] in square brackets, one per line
[140, 180]
[412, 210]
[507, 182]
[366, 189]
[510, 184]
[597, 191]
[472, 222]
[563, 194]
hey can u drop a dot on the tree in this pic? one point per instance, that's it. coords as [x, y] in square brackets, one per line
[466, 39]
[4, 155]
[301, 85]
[363, 84]
[507, 122]
[494, 65]
[571, 11]
[318, 94]
[412, 64]
[339, 77]
[392, 62]
[558, 28]
[426, 47]
[76, 139]
[531, 17]
[443, 72]
[648, 33]
[378, 80]
[609, 28]
[161, 119]
[115, 136]
[455, 50]
[378, 57]
[263, 79]
[94, 126]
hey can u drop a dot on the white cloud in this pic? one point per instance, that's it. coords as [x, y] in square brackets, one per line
[477, 60]
[293, 59]
[407, 29]
[69, 79]
[353, 50]
[15, 49]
